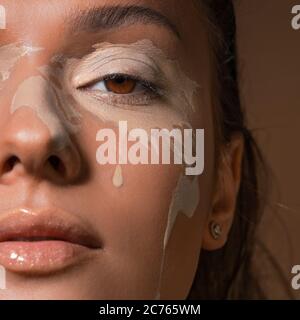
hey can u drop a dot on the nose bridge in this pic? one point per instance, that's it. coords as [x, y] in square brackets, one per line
[37, 94]
[35, 134]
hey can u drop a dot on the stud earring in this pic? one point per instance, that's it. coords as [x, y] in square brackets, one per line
[215, 230]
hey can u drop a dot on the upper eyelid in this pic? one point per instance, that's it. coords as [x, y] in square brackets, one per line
[152, 67]
[159, 86]
[132, 77]
[88, 70]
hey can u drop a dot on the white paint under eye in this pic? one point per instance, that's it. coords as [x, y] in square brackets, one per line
[142, 59]
[118, 179]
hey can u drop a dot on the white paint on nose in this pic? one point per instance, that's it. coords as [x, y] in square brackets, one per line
[36, 93]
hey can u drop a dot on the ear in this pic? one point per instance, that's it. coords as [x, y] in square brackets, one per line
[225, 193]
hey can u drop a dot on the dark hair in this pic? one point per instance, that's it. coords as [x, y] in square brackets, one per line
[226, 273]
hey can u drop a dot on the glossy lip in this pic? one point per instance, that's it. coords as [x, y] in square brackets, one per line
[44, 241]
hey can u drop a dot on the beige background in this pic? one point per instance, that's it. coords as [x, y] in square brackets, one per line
[269, 54]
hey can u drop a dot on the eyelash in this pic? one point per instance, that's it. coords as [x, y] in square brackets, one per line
[150, 91]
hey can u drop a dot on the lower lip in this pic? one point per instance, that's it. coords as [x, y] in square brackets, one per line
[41, 256]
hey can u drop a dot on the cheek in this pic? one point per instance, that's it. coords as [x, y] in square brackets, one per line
[132, 217]
[184, 246]
[141, 210]
[183, 250]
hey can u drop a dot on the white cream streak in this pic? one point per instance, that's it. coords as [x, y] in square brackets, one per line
[140, 58]
[67, 104]
[185, 200]
[176, 111]
[41, 95]
[10, 55]
[36, 93]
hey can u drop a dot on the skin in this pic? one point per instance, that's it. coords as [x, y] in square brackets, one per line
[133, 263]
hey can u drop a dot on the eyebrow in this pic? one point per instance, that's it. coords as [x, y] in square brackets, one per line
[109, 17]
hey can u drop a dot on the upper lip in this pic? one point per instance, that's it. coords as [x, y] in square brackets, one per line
[47, 224]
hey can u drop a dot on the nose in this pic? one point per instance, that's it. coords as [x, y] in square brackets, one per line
[29, 147]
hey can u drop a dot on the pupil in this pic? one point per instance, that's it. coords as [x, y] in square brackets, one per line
[120, 80]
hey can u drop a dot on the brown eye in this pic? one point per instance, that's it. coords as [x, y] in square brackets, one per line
[120, 85]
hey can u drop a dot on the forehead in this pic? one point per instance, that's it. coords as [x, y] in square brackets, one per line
[33, 16]
[55, 22]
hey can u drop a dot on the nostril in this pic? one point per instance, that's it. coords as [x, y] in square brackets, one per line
[56, 164]
[10, 164]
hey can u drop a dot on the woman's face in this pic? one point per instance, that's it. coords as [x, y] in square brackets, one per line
[71, 227]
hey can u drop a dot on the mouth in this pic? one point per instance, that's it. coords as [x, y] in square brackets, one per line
[44, 242]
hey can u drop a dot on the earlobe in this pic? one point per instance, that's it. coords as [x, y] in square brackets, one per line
[223, 207]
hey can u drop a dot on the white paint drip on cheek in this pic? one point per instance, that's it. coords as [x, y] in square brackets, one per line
[118, 179]
[176, 110]
[36, 93]
[185, 200]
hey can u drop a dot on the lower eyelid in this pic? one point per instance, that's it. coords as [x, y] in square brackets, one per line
[122, 100]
